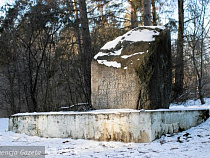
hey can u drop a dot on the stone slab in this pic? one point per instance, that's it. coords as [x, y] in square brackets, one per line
[108, 125]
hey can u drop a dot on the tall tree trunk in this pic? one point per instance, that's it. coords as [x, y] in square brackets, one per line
[147, 12]
[202, 51]
[134, 22]
[200, 91]
[11, 78]
[199, 77]
[101, 10]
[179, 69]
[77, 27]
[87, 50]
[154, 21]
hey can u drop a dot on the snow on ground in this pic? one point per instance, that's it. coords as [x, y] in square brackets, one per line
[192, 143]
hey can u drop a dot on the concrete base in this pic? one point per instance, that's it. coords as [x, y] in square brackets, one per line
[108, 125]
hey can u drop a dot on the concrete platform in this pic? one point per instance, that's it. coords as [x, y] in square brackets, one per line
[124, 125]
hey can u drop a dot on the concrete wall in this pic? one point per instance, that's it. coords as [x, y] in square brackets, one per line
[126, 126]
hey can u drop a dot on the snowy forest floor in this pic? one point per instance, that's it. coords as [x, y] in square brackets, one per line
[192, 143]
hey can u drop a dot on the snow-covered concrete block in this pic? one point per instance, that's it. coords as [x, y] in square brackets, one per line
[133, 71]
[124, 125]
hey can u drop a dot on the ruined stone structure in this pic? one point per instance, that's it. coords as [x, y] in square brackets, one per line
[133, 71]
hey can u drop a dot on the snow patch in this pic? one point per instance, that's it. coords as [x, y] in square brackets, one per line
[134, 36]
[189, 105]
[102, 111]
[128, 56]
[110, 63]
[113, 43]
[146, 33]
[100, 54]
[157, 27]
[141, 35]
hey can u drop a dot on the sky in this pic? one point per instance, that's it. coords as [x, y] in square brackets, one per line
[2, 2]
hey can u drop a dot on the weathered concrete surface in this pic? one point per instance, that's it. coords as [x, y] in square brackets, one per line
[133, 71]
[122, 125]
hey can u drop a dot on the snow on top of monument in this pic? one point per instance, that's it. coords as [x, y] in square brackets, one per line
[103, 111]
[128, 56]
[117, 52]
[188, 105]
[135, 35]
[146, 33]
[110, 63]
[112, 111]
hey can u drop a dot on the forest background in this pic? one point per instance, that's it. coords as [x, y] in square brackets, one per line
[46, 48]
